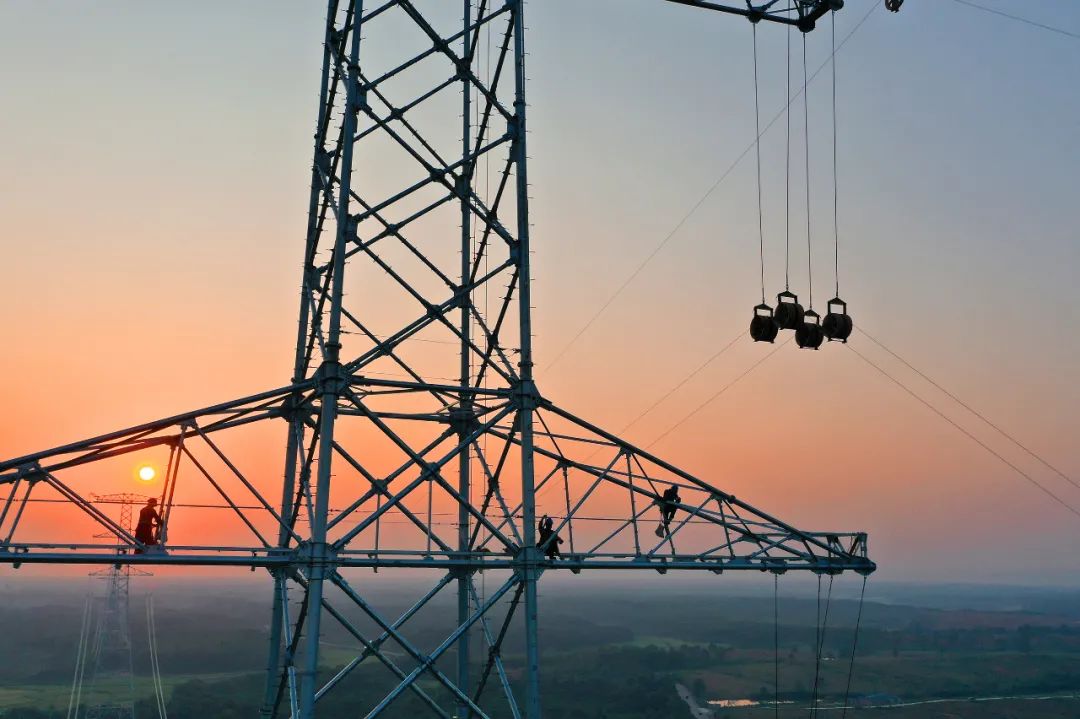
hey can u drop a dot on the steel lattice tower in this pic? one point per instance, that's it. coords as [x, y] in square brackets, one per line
[110, 651]
[438, 417]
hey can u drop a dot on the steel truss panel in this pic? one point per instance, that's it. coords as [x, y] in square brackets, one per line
[432, 437]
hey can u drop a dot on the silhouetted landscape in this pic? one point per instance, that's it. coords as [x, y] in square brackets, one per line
[610, 651]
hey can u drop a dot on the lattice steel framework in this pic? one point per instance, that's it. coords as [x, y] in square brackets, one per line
[419, 199]
[112, 673]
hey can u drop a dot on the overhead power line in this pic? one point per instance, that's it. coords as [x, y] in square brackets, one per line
[684, 380]
[1045, 490]
[1017, 18]
[721, 391]
[975, 412]
[708, 193]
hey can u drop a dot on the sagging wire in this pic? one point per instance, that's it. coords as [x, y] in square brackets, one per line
[854, 644]
[823, 624]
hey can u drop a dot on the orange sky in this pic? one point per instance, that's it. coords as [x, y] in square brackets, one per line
[151, 234]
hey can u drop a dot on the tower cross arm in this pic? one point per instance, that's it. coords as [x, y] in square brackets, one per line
[803, 14]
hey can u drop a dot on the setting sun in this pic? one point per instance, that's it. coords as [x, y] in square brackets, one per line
[147, 473]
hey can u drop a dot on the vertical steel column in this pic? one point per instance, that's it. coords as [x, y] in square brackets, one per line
[465, 400]
[274, 667]
[329, 374]
[527, 390]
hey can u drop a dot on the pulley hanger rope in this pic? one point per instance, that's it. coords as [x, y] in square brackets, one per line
[763, 326]
[699, 203]
[854, 647]
[787, 166]
[757, 147]
[836, 204]
[837, 325]
[806, 147]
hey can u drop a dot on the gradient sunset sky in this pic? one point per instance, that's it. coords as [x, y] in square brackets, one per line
[153, 193]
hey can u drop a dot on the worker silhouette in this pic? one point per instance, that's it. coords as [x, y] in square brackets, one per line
[546, 529]
[669, 502]
[149, 522]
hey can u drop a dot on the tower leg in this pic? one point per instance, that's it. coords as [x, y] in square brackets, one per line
[465, 399]
[274, 666]
[527, 394]
[273, 660]
[331, 380]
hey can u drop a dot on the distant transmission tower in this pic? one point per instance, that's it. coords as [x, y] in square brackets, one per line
[415, 435]
[109, 653]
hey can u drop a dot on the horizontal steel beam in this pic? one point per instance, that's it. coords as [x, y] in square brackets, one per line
[574, 563]
[803, 15]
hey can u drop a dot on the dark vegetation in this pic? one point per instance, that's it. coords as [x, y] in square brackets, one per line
[607, 654]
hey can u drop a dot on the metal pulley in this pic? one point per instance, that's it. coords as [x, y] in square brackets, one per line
[837, 325]
[809, 335]
[789, 313]
[763, 327]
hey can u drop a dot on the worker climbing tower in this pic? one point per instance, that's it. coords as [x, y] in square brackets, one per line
[415, 435]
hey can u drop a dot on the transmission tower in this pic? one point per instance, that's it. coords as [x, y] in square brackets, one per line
[416, 437]
[112, 671]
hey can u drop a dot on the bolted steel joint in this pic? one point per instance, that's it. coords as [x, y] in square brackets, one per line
[461, 187]
[462, 69]
[322, 160]
[525, 395]
[31, 472]
[429, 471]
[312, 275]
[329, 378]
[313, 554]
[361, 101]
[463, 420]
[288, 408]
[434, 311]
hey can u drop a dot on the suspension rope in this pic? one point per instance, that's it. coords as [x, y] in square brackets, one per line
[155, 665]
[835, 187]
[806, 129]
[817, 626]
[757, 149]
[787, 171]
[698, 204]
[80, 659]
[820, 643]
[776, 646]
[854, 644]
